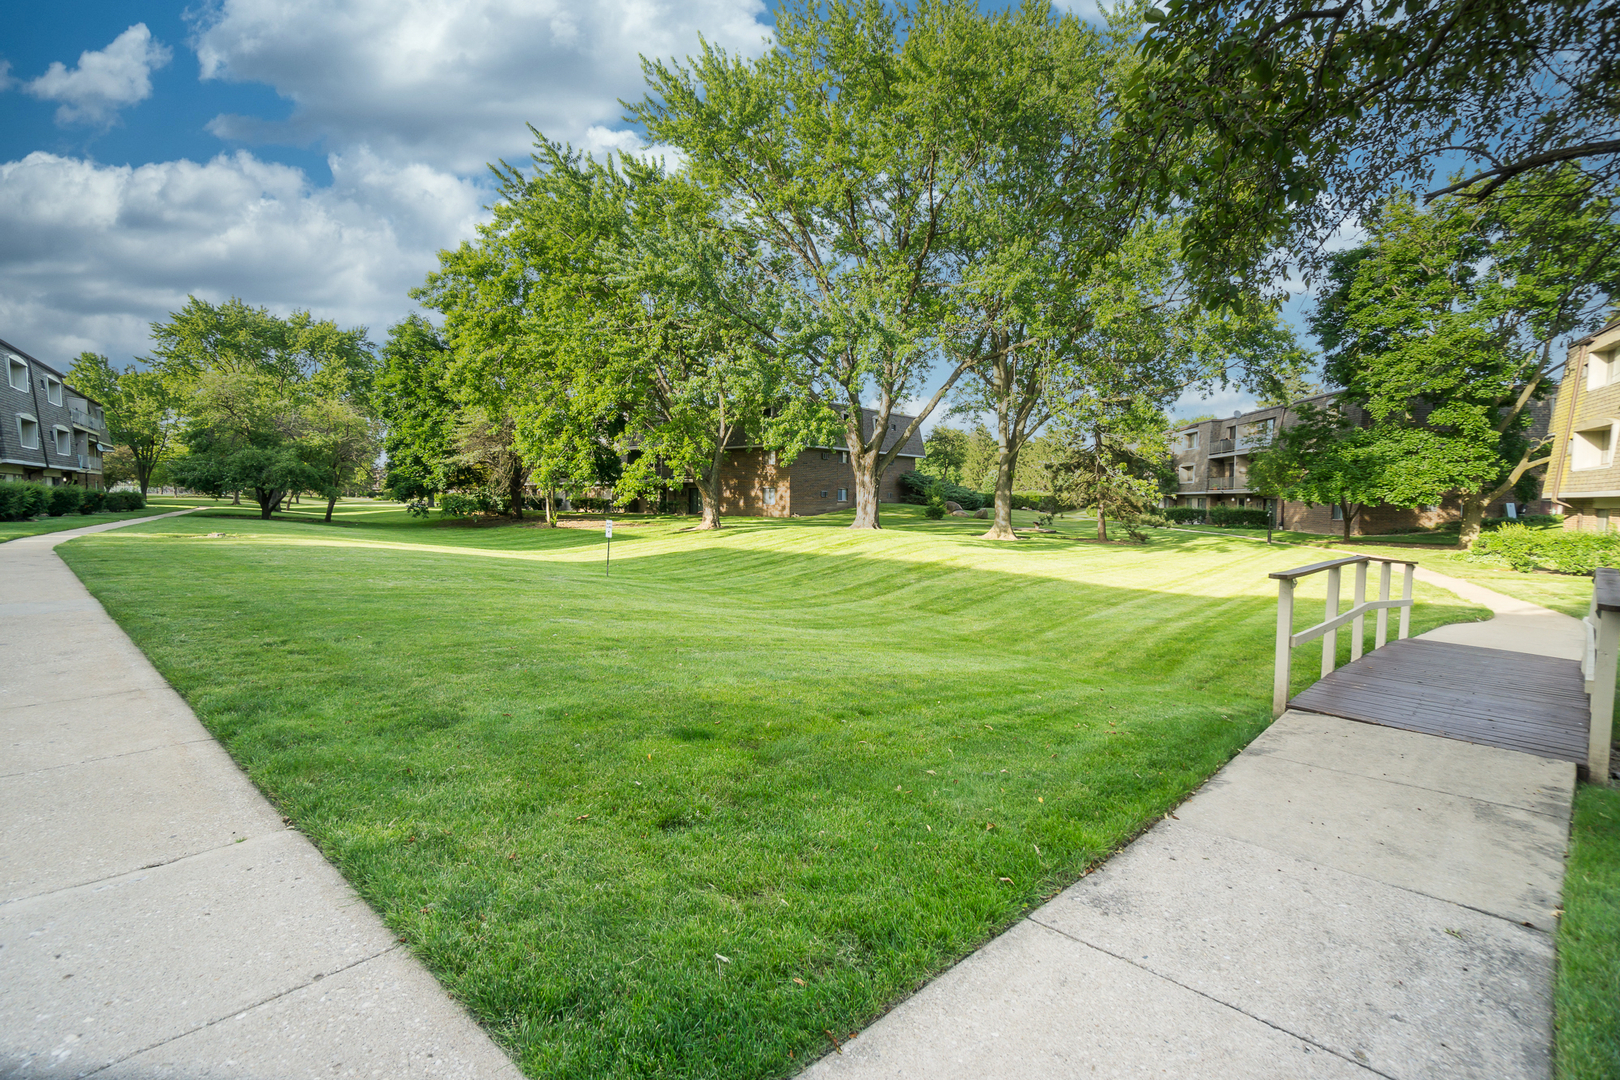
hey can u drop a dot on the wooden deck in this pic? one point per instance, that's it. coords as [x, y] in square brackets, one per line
[1514, 700]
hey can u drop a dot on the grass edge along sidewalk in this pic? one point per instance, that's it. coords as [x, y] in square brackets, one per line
[754, 788]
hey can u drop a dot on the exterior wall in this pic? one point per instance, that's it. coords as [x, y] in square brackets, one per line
[816, 471]
[73, 413]
[1588, 402]
[743, 480]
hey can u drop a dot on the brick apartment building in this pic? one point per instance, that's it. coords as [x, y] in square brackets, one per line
[49, 432]
[1583, 479]
[754, 483]
[1212, 469]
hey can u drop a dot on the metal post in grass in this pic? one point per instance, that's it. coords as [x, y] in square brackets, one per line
[1285, 647]
[608, 572]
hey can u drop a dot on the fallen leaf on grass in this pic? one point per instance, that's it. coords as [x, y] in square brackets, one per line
[799, 981]
[582, 817]
[1008, 880]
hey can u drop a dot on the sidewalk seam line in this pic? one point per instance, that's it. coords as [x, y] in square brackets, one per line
[154, 866]
[108, 757]
[238, 1012]
[1402, 783]
[1210, 997]
[1368, 877]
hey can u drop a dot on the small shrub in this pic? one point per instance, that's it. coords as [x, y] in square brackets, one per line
[65, 499]
[465, 504]
[418, 508]
[21, 501]
[1152, 521]
[1185, 515]
[1522, 548]
[94, 500]
[119, 502]
[917, 488]
[1242, 517]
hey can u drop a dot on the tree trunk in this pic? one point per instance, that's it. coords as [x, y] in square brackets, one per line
[331, 501]
[1349, 517]
[1473, 511]
[551, 514]
[1102, 522]
[1006, 467]
[236, 497]
[866, 489]
[515, 488]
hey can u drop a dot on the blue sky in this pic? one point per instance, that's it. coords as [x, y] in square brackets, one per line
[297, 153]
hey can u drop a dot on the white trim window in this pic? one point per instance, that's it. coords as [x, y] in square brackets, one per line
[1602, 368]
[17, 373]
[27, 432]
[53, 390]
[1592, 448]
[843, 494]
[770, 496]
[64, 441]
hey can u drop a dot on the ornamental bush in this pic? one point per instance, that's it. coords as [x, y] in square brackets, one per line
[1242, 517]
[94, 499]
[465, 504]
[64, 499]
[1522, 548]
[1185, 515]
[119, 502]
[916, 487]
[21, 501]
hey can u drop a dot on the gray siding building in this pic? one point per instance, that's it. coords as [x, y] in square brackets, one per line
[49, 432]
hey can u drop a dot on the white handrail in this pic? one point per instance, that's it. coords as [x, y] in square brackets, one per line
[1603, 636]
[1328, 628]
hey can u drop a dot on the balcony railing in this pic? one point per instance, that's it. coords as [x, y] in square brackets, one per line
[83, 418]
[1228, 483]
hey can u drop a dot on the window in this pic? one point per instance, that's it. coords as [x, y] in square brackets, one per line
[770, 496]
[1592, 448]
[823, 493]
[825, 455]
[1338, 512]
[843, 494]
[1192, 440]
[53, 390]
[1602, 368]
[843, 457]
[64, 441]
[1200, 501]
[1429, 507]
[17, 373]
[28, 432]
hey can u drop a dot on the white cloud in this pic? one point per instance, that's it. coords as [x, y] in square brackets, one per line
[90, 254]
[105, 81]
[453, 82]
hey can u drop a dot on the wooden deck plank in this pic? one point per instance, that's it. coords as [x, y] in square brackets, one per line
[1493, 697]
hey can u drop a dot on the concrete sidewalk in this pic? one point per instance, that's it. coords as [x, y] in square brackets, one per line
[1342, 900]
[157, 919]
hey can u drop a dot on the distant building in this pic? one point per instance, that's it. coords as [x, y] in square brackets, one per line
[1212, 469]
[821, 480]
[1583, 479]
[49, 432]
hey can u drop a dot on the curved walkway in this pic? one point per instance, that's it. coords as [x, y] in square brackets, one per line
[157, 918]
[1341, 900]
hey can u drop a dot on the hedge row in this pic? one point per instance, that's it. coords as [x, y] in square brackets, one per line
[1243, 517]
[20, 502]
[1523, 548]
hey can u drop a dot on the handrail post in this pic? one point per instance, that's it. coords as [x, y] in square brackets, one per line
[1330, 640]
[1406, 603]
[1381, 634]
[1285, 648]
[1358, 625]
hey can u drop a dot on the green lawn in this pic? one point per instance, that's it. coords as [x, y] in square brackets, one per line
[1588, 994]
[838, 760]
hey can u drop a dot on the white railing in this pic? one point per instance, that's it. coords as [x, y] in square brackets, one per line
[1598, 666]
[1328, 628]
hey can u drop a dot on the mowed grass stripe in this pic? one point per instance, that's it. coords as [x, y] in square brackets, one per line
[840, 760]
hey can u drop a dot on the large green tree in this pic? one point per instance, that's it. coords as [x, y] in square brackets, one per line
[841, 158]
[1322, 458]
[140, 407]
[1445, 328]
[1279, 121]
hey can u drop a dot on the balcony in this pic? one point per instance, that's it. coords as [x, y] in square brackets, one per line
[1229, 483]
[83, 418]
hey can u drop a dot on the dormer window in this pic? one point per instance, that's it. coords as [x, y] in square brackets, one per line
[64, 441]
[17, 373]
[53, 390]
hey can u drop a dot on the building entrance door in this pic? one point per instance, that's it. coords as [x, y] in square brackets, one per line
[694, 501]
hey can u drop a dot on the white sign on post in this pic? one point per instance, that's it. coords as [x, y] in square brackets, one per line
[610, 528]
